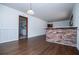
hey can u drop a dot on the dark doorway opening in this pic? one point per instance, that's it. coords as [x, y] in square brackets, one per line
[23, 27]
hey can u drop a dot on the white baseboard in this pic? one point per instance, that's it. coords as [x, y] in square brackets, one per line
[18, 39]
[36, 36]
[8, 41]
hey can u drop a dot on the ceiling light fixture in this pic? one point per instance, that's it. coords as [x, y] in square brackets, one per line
[30, 11]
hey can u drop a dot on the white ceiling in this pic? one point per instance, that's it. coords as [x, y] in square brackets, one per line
[46, 11]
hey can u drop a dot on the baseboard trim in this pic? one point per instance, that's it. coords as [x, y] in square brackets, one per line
[8, 41]
[36, 36]
[18, 39]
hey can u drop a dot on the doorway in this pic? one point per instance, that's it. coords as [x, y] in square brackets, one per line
[23, 27]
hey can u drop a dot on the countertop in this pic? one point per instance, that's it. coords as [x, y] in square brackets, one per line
[62, 28]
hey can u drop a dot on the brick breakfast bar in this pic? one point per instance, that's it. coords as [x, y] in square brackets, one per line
[66, 36]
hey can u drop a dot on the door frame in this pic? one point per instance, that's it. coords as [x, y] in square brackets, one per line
[26, 26]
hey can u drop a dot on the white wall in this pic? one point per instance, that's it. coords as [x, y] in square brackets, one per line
[76, 21]
[64, 23]
[9, 24]
[36, 26]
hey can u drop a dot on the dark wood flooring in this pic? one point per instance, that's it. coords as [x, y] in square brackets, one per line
[36, 46]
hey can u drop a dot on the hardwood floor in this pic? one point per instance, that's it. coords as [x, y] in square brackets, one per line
[36, 46]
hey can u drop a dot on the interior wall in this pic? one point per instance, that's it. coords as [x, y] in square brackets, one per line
[36, 26]
[9, 20]
[64, 23]
[76, 21]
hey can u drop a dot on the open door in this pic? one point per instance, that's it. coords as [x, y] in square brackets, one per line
[23, 27]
